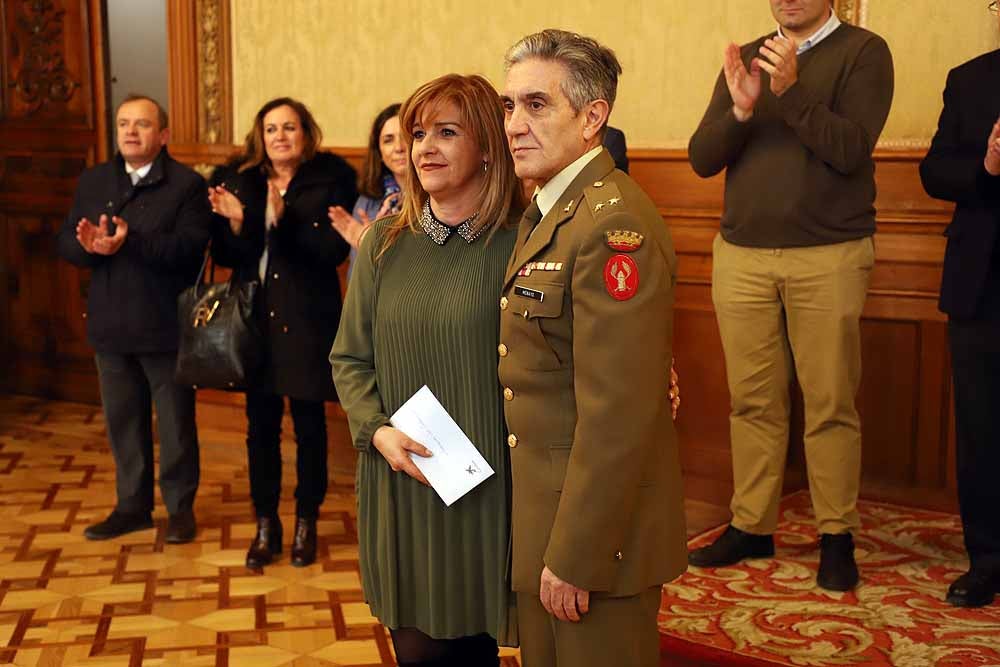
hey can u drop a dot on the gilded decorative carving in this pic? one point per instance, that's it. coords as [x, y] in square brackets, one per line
[36, 40]
[852, 11]
[204, 168]
[210, 38]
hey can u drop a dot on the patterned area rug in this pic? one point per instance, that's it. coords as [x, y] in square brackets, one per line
[770, 612]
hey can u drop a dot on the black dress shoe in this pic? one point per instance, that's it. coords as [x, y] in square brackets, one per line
[267, 543]
[181, 527]
[975, 588]
[118, 524]
[837, 569]
[304, 546]
[731, 547]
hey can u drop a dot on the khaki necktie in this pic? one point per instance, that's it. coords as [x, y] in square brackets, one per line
[531, 217]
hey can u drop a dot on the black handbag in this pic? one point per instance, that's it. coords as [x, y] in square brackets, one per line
[220, 344]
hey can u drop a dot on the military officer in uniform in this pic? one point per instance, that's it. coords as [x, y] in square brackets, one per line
[585, 353]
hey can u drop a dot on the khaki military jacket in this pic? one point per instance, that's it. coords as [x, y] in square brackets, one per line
[586, 330]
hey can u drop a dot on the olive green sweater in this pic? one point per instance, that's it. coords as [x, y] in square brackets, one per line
[800, 172]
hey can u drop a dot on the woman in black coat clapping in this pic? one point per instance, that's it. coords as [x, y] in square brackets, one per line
[271, 226]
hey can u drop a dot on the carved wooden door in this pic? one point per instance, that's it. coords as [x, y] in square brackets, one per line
[52, 126]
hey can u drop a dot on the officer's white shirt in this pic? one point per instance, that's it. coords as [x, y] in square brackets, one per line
[548, 195]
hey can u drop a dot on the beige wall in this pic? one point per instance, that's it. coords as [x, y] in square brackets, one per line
[338, 55]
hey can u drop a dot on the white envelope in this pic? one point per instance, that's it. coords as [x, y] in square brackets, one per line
[457, 467]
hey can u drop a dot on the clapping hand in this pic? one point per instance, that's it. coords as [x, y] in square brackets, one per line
[781, 61]
[109, 245]
[97, 240]
[226, 204]
[352, 229]
[744, 86]
[390, 206]
[275, 201]
[87, 232]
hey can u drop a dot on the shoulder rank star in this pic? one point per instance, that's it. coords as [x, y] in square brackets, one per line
[623, 240]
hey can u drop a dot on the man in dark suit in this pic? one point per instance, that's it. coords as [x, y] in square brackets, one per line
[614, 141]
[963, 166]
[140, 223]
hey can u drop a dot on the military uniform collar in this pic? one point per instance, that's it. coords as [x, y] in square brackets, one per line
[548, 195]
[531, 241]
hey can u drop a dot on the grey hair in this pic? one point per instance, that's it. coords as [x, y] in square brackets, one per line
[593, 68]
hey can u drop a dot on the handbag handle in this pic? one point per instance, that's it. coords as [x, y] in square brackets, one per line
[201, 272]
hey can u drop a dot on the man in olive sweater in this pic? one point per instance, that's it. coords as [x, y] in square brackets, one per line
[794, 120]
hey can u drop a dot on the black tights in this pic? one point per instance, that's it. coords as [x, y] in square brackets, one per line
[417, 649]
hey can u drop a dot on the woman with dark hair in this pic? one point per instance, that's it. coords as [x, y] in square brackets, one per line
[384, 173]
[271, 226]
[422, 310]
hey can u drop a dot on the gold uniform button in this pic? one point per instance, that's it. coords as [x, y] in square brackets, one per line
[618, 555]
[598, 184]
[502, 349]
[508, 393]
[512, 441]
[503, 303]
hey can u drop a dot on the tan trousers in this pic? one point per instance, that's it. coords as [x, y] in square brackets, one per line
[616, 631]
[776, 308]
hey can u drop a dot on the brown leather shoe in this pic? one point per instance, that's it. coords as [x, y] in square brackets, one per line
[267, 543]
[304, 546]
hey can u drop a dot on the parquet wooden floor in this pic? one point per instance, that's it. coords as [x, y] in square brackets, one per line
[134, 601]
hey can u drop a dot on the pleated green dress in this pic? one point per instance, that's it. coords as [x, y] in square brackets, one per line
[421, 314]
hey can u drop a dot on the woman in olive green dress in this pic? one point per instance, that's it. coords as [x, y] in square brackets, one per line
[422, 308]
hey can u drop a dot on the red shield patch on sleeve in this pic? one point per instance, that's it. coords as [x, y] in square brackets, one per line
[621, 277]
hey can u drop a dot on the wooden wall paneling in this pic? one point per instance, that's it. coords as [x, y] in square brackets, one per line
[182, 70]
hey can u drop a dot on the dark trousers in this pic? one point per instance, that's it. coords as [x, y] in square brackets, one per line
[975, 359]
[130, 386]
[264, 412]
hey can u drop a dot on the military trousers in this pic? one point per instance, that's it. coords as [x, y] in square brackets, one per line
[131, 385]
[616, 631]
[782, 311]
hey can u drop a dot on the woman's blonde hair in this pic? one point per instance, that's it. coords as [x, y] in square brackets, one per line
[481, 112]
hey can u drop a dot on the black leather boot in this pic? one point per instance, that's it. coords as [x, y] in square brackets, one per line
[304, 546]
[266, 544]
[731, 547]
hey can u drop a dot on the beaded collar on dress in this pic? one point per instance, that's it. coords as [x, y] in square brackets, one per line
[440, 232]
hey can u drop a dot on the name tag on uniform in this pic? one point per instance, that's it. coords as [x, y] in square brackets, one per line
[529, 293]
